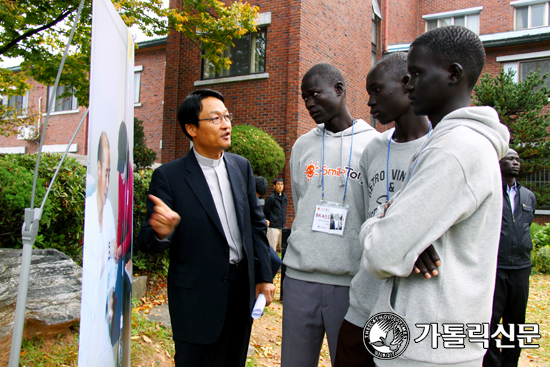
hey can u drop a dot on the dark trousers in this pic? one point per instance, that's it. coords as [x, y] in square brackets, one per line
[351, 349]
[275, 261]
[509, 303]
[232, 345]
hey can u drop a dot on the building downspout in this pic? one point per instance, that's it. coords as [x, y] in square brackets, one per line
[386, 21]
[39, 115]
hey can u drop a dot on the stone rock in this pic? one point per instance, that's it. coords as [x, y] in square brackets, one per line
[53, 298]
[139, 286]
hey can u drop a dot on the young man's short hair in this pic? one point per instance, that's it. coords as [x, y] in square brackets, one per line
[327, 72]
[455, 44]
[261, 185]
[190, 108]
[278, 179]
[395, 63]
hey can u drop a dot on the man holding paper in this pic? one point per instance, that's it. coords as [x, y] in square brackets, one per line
[203, 207]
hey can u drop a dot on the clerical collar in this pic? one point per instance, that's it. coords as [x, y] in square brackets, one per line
[207, 161]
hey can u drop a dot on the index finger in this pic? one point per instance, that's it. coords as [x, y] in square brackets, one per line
[156, 200]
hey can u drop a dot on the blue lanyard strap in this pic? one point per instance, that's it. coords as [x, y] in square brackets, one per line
[349, 165]
[388, 162]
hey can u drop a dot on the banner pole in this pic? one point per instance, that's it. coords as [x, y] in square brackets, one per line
[30, 226]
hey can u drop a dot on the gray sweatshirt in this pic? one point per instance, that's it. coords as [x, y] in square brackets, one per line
[379, 181]
[315, 256]
[453, 201]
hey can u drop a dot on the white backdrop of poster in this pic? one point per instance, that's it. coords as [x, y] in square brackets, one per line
[106, 283]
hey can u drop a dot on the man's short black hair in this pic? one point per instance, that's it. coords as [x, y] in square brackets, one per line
[329, 73]
[395, 64]
[455, 44]
[190, 108]
[261, 185]
[278, 179]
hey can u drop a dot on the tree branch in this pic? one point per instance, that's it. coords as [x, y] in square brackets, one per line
[28, 34]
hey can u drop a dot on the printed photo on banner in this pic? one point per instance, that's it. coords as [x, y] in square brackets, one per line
[106, 284]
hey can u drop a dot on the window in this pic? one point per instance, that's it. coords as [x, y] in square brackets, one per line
[20, 103]
[376, 16]
[63, 103]
[468, 18]
[525, 67]
[530, 16]
[375, 23]
[137, 84]
[247, 57]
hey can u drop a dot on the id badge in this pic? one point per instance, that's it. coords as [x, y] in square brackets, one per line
[330, 217]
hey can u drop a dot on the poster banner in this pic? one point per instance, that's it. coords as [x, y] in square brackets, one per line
[105, 316]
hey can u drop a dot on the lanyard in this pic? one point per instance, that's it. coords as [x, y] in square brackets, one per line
[388, 163]
[349, 165]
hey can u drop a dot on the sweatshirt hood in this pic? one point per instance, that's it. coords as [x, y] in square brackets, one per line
[483, 120]
[359, 127]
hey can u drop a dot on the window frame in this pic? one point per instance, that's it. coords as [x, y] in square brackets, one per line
[529, 5]
[219, 75]
[74, 102]
[455, 14]
[138, 70]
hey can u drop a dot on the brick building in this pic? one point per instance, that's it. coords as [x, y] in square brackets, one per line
[516, 35]
[149, 69]
[263, 87]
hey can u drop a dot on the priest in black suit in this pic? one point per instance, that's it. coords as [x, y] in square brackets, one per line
[203, 208]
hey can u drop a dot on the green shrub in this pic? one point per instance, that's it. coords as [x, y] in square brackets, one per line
[265, 155]
[541, 260]
[62, 223]
[16, 188]
[142, 262]
[61, 226]
[143, 156]
[541, 237]
[540, 256]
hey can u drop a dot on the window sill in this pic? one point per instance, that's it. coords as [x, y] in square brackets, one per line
[232, 79]
[62, 112]
[138, 104]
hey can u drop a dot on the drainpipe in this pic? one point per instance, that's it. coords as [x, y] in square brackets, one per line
[386, 21]
[39, 113]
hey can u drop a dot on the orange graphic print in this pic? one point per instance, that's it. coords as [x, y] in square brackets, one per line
[310, 170]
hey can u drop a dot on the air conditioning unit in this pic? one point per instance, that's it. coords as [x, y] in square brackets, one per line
[27, 133]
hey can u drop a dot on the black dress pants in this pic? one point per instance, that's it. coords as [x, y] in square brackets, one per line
[232, 345]
[510, 304]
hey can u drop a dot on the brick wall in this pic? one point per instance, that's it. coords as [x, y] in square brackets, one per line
[402, 21]
[301, 34]
[152, 94]
[61, 125]
[496, 16]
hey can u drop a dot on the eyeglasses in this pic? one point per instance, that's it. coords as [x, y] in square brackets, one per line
[218, 119]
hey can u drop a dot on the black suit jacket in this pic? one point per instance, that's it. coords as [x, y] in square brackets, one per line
[199, 253]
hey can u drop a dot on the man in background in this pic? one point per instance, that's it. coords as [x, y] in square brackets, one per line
[275, 213]
[514, 262]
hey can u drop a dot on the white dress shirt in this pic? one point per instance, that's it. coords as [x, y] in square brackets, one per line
[217, 178]
[512, 191]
